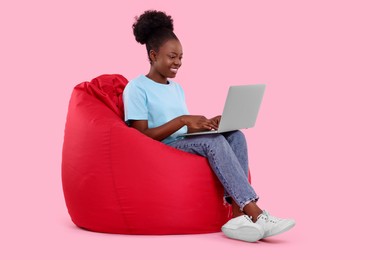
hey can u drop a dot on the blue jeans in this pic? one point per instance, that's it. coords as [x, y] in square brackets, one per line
[227, 154]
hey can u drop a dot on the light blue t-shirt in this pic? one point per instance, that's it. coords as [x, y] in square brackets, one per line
[145, 99]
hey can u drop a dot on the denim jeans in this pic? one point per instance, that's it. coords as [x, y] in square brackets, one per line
[227, 154]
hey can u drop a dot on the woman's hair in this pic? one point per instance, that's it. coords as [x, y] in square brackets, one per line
[153, 28]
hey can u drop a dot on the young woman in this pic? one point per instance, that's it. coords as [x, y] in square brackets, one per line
[156, 107]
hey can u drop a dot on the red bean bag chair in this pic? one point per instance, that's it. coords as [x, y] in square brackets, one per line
[117, 180]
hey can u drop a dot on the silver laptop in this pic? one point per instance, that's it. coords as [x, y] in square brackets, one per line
[241, 108]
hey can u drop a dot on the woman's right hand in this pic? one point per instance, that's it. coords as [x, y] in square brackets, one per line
[199, 123]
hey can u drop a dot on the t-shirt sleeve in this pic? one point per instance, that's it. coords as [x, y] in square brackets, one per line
[134, 101]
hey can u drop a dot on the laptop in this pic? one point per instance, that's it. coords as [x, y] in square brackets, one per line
[241, 109]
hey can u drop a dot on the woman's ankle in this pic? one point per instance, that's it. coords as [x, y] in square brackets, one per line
[236, 210]
[253, 211]
[238, 214]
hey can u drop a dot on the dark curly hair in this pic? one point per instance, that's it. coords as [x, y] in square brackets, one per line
[153, 28]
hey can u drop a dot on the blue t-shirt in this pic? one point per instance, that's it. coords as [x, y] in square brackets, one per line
[145, 99]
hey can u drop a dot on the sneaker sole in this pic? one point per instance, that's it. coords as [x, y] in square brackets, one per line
[248, 234]
[286, 228]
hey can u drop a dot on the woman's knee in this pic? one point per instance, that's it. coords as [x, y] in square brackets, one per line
[209, 140]
[216, 141]
[237, 136]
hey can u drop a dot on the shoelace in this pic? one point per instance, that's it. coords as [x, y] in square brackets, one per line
[248, 218]
[268, 218]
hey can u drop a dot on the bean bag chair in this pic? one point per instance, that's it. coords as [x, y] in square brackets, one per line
[117, 180]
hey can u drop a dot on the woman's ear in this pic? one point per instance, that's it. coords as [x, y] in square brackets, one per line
[153, 56]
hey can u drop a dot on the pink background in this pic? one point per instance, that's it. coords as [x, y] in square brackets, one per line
[319, 153]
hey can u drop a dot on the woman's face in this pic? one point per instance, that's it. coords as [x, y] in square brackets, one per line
[168, 59]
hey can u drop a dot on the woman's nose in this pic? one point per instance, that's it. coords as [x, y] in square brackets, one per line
[177, 62]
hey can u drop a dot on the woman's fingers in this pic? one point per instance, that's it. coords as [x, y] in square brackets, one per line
[211, 124]
[214, 125]
[215, 121]
[201, 123]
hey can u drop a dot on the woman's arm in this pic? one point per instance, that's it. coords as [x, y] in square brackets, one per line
[193, 123]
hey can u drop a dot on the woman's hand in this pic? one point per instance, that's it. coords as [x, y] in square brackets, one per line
[216, 120]
[200, 123]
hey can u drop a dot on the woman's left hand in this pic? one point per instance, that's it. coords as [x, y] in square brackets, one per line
[216, 120]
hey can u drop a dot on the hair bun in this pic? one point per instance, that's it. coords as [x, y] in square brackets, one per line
[149, 22]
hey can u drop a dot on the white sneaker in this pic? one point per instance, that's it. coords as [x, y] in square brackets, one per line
[272, 225]
[243, 228]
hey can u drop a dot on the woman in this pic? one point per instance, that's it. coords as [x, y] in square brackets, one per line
[156, 107]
